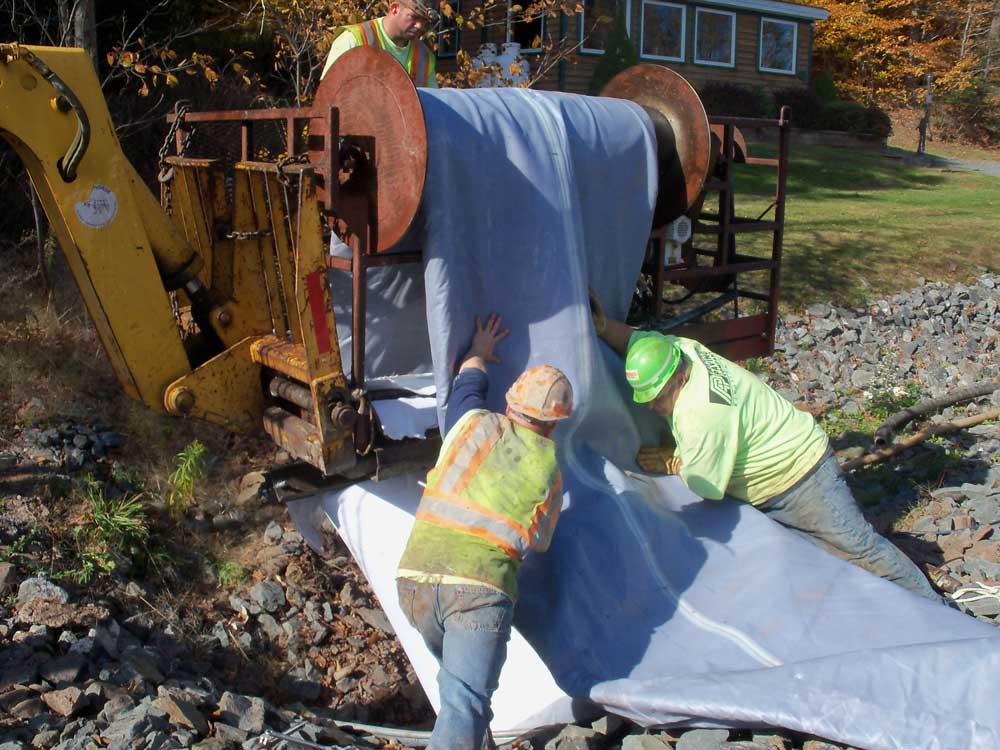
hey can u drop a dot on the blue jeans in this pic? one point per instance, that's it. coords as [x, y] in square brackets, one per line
[467, 628]
[822, 508]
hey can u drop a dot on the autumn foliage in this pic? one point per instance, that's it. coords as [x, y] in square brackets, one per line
[879, 51]
[298, 34]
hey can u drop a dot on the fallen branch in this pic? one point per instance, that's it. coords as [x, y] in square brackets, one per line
[919, 437]
[883, 435]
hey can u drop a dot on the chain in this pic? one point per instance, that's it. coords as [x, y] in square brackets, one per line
[237, 234]
[166, 174]
[284, 161]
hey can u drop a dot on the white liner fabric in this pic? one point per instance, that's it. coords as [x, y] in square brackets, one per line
[407, 417]
[651, 603]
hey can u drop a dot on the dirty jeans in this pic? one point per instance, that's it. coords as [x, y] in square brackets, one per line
[467, 628]
[822, 508]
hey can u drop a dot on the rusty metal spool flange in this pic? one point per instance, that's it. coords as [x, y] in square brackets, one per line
[379, 110]
[683, 138]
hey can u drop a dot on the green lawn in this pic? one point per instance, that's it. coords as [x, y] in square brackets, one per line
[906, 138]
[860, 225]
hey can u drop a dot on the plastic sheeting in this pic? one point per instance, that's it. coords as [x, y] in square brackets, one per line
[650, 603]
[396, 342]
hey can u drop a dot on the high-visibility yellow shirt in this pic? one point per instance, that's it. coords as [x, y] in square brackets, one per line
[494, 494]
[735, 435]
[404, 55]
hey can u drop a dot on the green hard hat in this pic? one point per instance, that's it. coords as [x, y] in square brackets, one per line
[651, 361]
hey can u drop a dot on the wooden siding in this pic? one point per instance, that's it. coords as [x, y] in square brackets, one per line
[579, 66]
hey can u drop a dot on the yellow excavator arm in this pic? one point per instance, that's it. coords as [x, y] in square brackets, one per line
[118, 243]
[262, 350]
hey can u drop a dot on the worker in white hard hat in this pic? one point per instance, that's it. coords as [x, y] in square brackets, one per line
[398, 32]
[736, 437]
[494, 495]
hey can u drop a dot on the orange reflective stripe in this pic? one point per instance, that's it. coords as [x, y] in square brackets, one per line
[447, 523]
[460, 439]
[447, 466]
[461, 502]
[542, 511]
[476, 462]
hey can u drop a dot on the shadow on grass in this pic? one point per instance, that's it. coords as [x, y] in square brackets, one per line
[823, 268]
[832, 172]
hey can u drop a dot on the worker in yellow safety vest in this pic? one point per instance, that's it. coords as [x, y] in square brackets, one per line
[398, 32]
[494, 494]
[736, 437]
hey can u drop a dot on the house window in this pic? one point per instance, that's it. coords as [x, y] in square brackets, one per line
[596, 21]
[778, 43]
[715, 38]
[448, 32]
[662, 30]
[528, 32]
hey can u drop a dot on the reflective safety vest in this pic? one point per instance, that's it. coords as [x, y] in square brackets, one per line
[420, 62]
[494, 494]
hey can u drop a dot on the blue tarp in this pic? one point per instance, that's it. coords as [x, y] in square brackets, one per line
[651, 603]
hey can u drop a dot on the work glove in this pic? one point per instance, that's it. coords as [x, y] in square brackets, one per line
[597, 312]
[658, 460]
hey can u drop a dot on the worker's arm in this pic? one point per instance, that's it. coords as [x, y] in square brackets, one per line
[469, 389]
[340, 45]
[617, 335]
[614, 332]
[468, 392]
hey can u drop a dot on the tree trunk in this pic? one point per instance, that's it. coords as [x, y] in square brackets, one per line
[965, 33]
[64, 10]
[85, 27]
[992, 42]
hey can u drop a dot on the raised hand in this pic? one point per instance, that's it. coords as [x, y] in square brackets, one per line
[487, 337]
[484, 343]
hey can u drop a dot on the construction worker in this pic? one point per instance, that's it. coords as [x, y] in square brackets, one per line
[736, 437]
[494, 494]
[398, 32]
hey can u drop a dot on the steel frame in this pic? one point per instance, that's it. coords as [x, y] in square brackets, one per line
[739, 337]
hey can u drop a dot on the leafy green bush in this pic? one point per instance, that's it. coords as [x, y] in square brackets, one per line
[824, 86]
[848, 116]
[853, 117]
[619, 54]
[878, 122]
[735, 100]
[807, 108]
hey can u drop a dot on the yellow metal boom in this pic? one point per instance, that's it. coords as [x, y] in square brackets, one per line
[256, 289]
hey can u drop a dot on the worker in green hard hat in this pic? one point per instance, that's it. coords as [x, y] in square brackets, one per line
[398, 32]
[734, 436]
